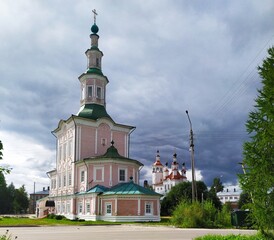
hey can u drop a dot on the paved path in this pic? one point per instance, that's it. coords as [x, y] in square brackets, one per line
[117, 232]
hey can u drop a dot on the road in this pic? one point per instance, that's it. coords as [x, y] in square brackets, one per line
[114, 232]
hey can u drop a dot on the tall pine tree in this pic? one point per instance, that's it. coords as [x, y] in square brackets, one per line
[258, 162]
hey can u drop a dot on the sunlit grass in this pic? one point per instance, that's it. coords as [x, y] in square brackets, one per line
[24, 221]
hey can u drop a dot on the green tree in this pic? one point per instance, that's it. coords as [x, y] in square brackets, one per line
[3, 169]
[217, 186]
[258, 161]
[244, 200]
[3, 194]
[21, 200]
[182, 191]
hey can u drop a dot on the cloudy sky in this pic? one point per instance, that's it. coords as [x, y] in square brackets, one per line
[162, 57]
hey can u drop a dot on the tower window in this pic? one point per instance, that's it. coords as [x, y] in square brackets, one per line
[99, 92]
[90, 91]
[83, 95]
[97, 62]
[82, 176]
[122, 175]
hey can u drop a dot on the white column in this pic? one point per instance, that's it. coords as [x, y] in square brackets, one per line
[139, 206]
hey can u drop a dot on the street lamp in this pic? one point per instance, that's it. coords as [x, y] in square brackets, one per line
[194, 189]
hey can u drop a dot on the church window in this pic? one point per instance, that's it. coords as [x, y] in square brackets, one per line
[98, 173]
[99, 92]
[122, 175]
[70, 148]
[88, 208]
[65, 151]
[83, 94]
[90, 91]
[59, 181]
[80, 208]
[68, 207]
[64, 180]
[82, 176]
[97, 62]
[69, 179]
[63, 208]
[60, 153]
[108, 208]
[148, 210]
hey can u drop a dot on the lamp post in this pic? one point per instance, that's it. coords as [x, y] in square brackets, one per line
[194, 189]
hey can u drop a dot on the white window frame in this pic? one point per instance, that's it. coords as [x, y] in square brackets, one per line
[95, 175]
[88, 207]
[90, 91]
[108, 206]
[64, 180]
[80, 207]
[70, 148]
[82, 176]
[69, 179]
[150, 204]
[101, 95]
[83, 92]
[119, 179]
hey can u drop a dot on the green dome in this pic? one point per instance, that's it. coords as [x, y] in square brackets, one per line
[94, 28]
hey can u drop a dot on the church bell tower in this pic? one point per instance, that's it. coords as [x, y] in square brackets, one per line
[93, 81]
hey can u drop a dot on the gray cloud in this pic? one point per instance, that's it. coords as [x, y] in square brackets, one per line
[161, 58]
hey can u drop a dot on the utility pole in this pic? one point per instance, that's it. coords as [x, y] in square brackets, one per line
[194, 189]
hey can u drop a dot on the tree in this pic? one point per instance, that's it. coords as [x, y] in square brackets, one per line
[3, 194]
[217, 185]
[244, 201]
[182, 191]
[21, 201]
[258, 161]
[3, 169]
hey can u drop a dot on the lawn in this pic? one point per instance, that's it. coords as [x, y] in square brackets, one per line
[25, 221]
[19, 221]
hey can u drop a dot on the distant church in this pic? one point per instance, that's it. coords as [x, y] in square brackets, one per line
[94, 178]
[163, 178]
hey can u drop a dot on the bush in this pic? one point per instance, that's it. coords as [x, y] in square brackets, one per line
[59, 217]
[232, 237]
[195, 215]
[188, 215]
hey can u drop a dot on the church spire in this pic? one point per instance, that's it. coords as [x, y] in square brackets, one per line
[93, 82]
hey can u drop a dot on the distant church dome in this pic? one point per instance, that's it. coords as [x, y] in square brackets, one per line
[94, 28]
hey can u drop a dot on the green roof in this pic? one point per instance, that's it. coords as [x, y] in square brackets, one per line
[97, 189]
[112, 152]
[130, 188]
[93, 111]
[95, 71]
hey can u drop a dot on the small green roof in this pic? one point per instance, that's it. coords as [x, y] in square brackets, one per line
[93, 111]
[95, 71]
[130, 188]
[97, 189]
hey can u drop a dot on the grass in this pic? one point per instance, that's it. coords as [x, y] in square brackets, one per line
[17, 221]
[24, 221]
[232, 237]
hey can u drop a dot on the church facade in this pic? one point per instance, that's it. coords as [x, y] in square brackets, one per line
[94, 178]
[164, 178]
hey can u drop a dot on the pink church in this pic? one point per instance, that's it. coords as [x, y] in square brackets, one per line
[94, 178]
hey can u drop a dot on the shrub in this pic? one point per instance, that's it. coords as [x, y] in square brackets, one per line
[59, 217]
[7, 236]
[194, 215]
[232, 237]
[188, 215]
